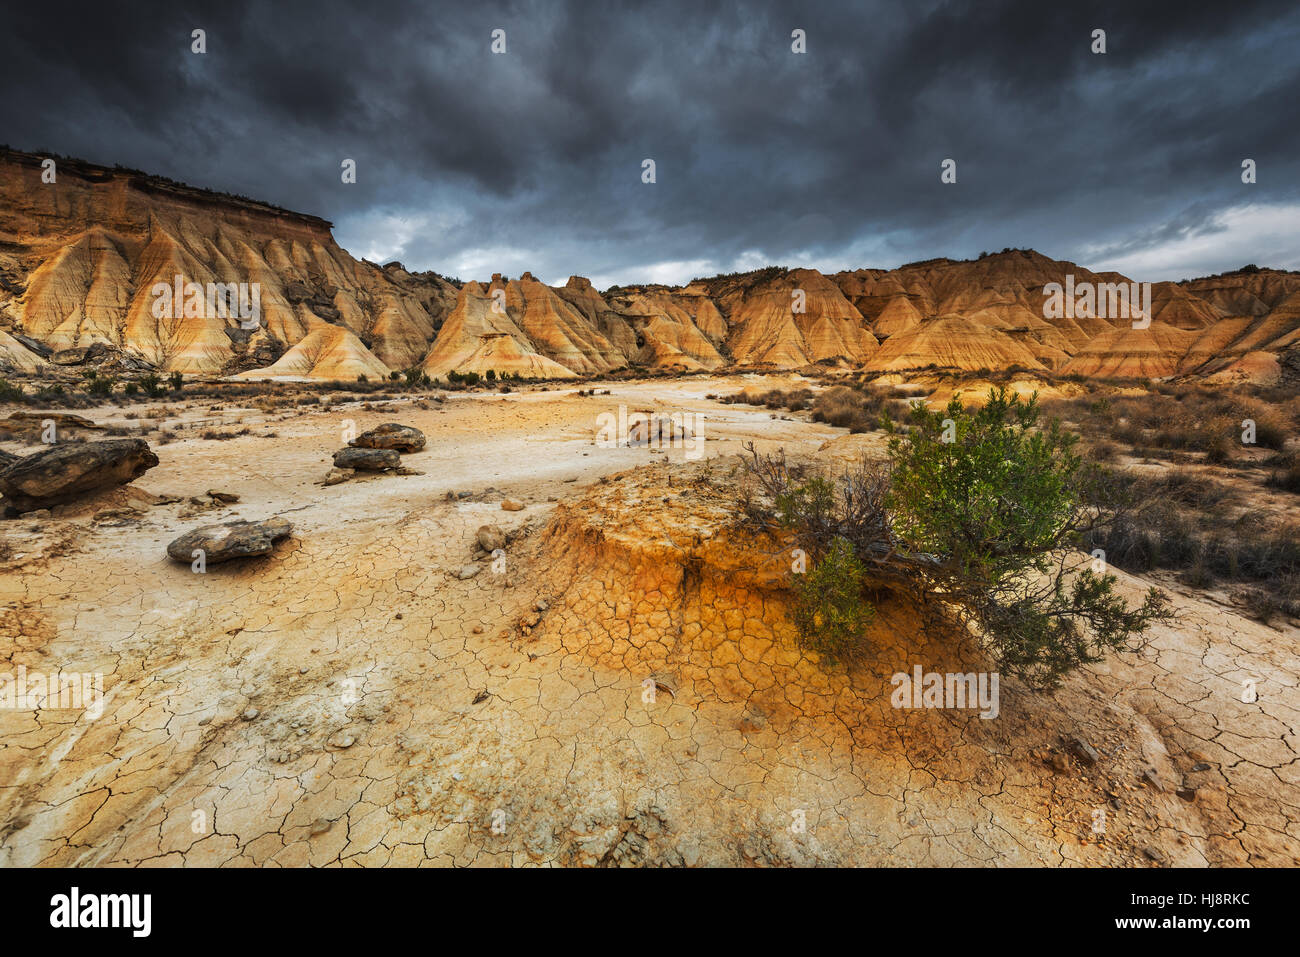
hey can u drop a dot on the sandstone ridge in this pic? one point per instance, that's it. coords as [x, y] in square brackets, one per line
[82, 259]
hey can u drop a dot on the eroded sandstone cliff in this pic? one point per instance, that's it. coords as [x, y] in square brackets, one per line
[82, 259]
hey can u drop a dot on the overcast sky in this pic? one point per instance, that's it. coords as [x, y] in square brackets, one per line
[470, 162]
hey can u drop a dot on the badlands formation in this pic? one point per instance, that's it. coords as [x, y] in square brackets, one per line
[80, 260]
[456, 628]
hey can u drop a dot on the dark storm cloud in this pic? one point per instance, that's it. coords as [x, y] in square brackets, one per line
[470, 162]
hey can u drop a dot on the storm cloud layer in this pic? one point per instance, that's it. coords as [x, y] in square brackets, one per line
[471, 162]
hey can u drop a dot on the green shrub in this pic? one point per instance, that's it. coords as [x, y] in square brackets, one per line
[152, 385]
[10, 392]
[830, 610]
[976, 513]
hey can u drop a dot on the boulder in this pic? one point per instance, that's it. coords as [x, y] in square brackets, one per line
[369, 460]
[222, 542]
[391, 435]
[67, 470]
[655, 430]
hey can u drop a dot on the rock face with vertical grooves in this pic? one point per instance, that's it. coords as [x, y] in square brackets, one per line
[94, 247]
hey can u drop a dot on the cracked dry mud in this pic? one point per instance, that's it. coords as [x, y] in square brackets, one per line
[625, 691]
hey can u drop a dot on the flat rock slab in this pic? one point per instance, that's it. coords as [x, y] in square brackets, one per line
[67, 470]
[391, 435]
[222, 542]
[369, 460]
[36, 420]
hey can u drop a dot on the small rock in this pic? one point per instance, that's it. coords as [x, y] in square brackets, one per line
[250, 714]
[337, 476]
[1150, 779]
[228, 498]
[1084, 751]
[1186, 793]
[468, 571]
[491, 537]
[512, 505]
[320, 826]
[479, 699]
[115, 514]
[1060, 764]
[1200, 766]
[1154, 854]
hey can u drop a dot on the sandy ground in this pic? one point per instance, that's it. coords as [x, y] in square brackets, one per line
[352, 700]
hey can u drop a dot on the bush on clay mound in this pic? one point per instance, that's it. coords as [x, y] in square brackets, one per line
[829, 611]
[977, 510]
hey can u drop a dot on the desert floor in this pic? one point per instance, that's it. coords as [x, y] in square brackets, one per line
[352, 699]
